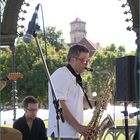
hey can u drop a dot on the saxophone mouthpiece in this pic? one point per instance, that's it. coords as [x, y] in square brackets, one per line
[91, 70]
[98, 72]
[88, 69]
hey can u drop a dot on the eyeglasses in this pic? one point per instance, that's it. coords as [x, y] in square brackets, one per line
[32, 110]
[83, 60]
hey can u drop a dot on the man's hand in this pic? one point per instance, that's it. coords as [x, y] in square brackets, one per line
[85, 131]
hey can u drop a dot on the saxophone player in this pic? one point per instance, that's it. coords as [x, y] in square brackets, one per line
[67, 84]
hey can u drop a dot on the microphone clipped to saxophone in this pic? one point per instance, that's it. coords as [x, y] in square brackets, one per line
[99, 127]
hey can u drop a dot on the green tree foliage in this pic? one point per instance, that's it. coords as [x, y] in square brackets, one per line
[5, 68]
[29, 62]
[54, 38]
[104, 62]
[35, 79]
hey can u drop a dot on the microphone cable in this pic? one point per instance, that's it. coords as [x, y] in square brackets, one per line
[44, 32]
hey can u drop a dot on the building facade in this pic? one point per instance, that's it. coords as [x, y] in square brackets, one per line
[78, 36]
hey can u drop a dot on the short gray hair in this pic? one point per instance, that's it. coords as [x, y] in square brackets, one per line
[75, 51]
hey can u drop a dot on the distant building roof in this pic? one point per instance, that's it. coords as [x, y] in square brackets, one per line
[90, 45]
[77, 20]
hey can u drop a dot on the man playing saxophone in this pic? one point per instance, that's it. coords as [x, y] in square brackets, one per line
[67, 84]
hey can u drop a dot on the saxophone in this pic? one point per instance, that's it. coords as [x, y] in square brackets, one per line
[99, 129]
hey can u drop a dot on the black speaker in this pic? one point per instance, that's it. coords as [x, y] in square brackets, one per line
[125, 79]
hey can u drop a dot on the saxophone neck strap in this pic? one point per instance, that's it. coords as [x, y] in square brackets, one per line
[79, 81]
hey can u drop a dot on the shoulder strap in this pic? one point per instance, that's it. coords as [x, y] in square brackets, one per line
[79, 81]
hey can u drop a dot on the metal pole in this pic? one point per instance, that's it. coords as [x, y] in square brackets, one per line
[14, 84]
[126, 122]
[134, 8]
[125, 112]
[138, 82]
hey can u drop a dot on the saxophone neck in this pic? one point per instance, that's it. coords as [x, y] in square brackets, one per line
[99, 72]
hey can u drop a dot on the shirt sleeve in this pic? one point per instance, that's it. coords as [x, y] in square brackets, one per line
[60, 82]
[15, 125]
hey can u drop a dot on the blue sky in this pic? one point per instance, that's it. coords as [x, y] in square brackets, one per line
[105, 19]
